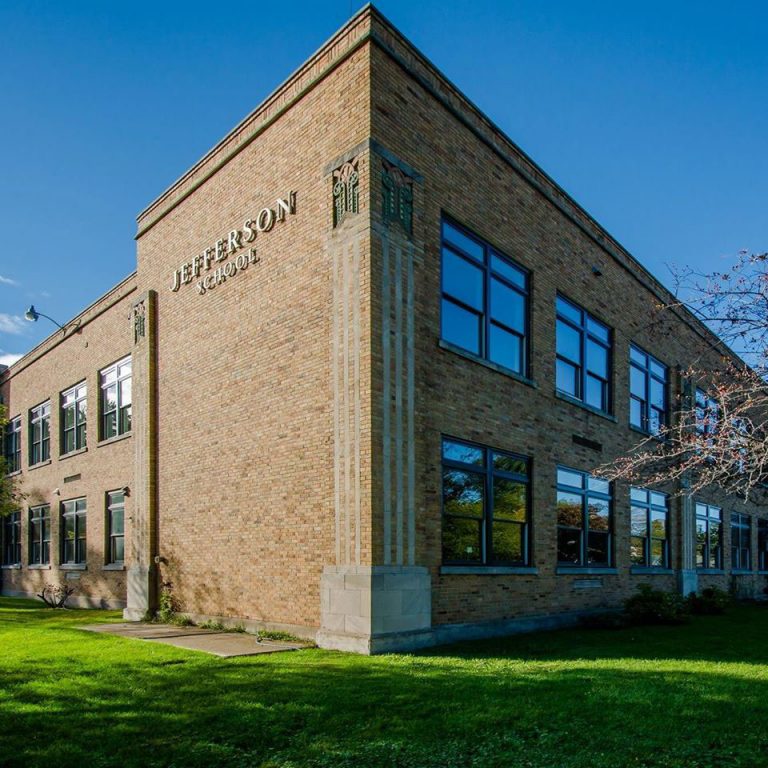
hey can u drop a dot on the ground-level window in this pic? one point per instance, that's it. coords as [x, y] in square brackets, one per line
[649, 542]
[12, 445]
[486, 514]
[11, 538]
[115, 527]
[709, 536]
[584, 519]
[40, 433]
[762, 544]
[73, 418]
[115, 384]
[40, 535]
[741, 531]
[73, 529]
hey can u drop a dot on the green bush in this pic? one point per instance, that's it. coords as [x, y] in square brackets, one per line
[653, 606]
[711, 602]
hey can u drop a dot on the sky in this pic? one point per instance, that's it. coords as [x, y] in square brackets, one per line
[653, 116]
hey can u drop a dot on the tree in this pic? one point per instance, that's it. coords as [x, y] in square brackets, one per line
[11, 496]
[720, 439]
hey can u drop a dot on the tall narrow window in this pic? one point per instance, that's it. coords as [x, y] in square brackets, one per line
[648, 391]
[583, 356]
[741, 559]
[73, 529]
[40, 535]
[12, 445]
[74, 404]
[40, 434]
[709, 528]
[11, 535]
[649, 542]
[486, 516]
[116, 399]
[707, 413]
[484, 300]
[115, 527]
[762, 544]
[584, 519]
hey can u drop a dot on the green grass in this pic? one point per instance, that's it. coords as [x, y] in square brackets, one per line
[692, 697]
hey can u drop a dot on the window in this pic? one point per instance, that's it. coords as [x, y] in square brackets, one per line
[40, 535]
[648, 391]
[12, 446]
[649, 541]
[40, 434]
[116, 399]
[583, 356]
[115, 527]
[484, 300]
[584, 521]
[709, 524]
[741, 531]
[762, 544]
[74, 403]
[486, 516]
[73, 532]
[707, 413]
[11, 530]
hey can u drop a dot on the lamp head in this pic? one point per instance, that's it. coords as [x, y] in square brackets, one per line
[31, 314]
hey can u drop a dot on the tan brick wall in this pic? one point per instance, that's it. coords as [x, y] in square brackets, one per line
[103, 336]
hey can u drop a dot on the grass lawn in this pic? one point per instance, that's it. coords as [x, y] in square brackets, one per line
[693, 696]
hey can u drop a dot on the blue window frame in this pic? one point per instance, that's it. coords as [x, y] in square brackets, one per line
[647, 391]
[649, 539]
[484, 307]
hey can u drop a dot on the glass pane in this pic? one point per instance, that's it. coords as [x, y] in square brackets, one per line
[566, 309]
[596, 393]
[636, 413]
[110, 425]
[714, 545]
[637, 383]
[506, 349]
[125, 392]
[567, 378]
[461, 540]
[81, 391]
[657, 394]
[597, 329]
[509, 500]
[82, 410]
[109, 376]
[514, 464]
[81, 526]
[511, 272]
[118, 550]
[507, 539]
[658, 525]
[659, 499]
[597, 548]
[599, 515]
[69, 441]
[701, 542]
[507, 306]
[658, 369]
[638, 356]
[461, 327]
[124, 369]
[69, 417]
[468, 454]
[568, 342]
[569, 510]
[117, 522]
[597, 359]
[599, 485]
[463, 493]
[639, 526]
[462, 280]
[116, 497]
[573, 479]
[655, 421]
[125, 419]
[638, 494]
[637, 550]
[568, 546]
[467, 244]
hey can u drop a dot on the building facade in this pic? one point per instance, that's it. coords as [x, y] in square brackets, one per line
[359, 384]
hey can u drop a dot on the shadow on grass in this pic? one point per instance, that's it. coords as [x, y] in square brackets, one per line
[75, 699]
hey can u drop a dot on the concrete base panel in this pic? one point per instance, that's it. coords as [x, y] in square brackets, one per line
[73, 602]
[688, 581]
[140, 592]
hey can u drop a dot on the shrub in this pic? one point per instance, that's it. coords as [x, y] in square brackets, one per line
[711, 602]
[654, 606]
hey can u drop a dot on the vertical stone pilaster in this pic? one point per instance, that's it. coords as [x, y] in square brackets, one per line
[688, 576]
[142, 545]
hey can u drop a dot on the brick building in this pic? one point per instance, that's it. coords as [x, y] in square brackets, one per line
[358, 384]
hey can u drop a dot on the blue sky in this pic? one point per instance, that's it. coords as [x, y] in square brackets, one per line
[654, 116]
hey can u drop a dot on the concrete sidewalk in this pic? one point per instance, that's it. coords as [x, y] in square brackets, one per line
[224, 644]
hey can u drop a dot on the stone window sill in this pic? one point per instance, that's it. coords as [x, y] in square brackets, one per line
[39, 567]
[12, 567]
[487, 570]
[115, 439]
[73, 567]
[639, 570]
[73, 453]
[711, 571]
[13, 474]
[590, 409]
[577, 570]
[114, 567]
[742, 572]
[645, 433]
[39, 464]
[448, 347]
